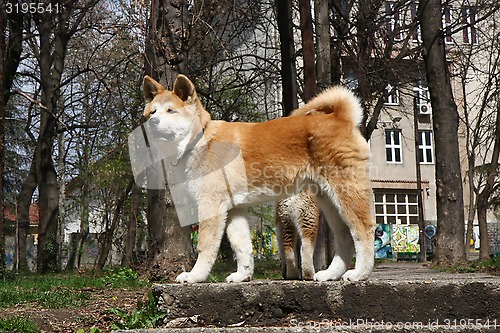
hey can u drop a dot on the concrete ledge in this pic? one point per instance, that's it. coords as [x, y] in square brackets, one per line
[401, 298]
[289, 303]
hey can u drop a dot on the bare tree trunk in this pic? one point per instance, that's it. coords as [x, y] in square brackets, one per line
[366, 23]
[471, 160]
[482, 211]
[2, 167]
[489, 188]
[288, 71]
[10, 56]
[3, 105]
[131, 238]
[306, 30]
[82, 236]
[323, 50]
[107, 243]
[84, 223]
[323, 252]
[450, 208]
[61, 168]
[170, 251]
[51, 61]
[23, 216]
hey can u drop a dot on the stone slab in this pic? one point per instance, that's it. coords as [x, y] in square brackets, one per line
[405, 297]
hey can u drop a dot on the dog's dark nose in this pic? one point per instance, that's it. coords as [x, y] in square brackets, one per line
[154, 121]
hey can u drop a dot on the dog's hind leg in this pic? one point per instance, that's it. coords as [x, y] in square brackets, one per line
[209, 239]
[287, 238]
[238, 233]
[308, 230]
[355, 203]
[353, 206]
[344, 246]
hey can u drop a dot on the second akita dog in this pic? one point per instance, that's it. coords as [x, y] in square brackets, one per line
[322, 152]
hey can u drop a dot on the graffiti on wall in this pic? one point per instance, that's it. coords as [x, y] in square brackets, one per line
[383, 248]
[405, 238]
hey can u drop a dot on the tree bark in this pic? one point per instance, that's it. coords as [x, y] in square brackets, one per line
[131, 238]
[10, 56]
[482, 212]
[323, 50]
[23, 216]
[51, 63]
[287, 48]
[324, 251]
[306, 30]
[170, 252]
[450, 247]
[107, 243]
[489, 188]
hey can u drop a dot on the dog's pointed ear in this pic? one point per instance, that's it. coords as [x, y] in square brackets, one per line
[151, 88]
[184, 89]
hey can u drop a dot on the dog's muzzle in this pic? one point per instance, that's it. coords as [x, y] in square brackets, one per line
[154, 124]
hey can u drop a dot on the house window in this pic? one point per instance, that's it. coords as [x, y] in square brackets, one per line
[391, 95]
[393, 146]
[396, 207]
[393, 18]
[447, 25]
[469, 21]
[425, 148]
[416, 35]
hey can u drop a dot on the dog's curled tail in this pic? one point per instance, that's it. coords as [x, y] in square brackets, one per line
[337, 100]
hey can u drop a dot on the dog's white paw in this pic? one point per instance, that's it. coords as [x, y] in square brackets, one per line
[328, 275]
[324, 275]
[238, 277]
[354, 275]
[189, 277]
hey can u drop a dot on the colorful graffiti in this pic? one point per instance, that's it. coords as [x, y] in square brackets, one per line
[265, 242]
[405, 238]
[383, 248]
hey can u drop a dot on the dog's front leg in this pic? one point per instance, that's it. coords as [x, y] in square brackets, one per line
[209, 238]
[238, 233]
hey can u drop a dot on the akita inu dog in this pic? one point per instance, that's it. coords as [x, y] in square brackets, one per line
[322, 152]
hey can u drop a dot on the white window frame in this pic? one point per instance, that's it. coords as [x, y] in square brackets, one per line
[394, 17]
[393, 146]
[417, 34]
[424, 147]
[392, 95]
[397, 217]
[469, 20]
[447, 21]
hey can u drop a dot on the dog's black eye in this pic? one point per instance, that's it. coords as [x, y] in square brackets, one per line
[171, 111]
[153, 111]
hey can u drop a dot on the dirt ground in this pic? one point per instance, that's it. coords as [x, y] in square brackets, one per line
[94, 314]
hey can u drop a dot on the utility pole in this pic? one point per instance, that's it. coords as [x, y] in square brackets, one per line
[421, 222]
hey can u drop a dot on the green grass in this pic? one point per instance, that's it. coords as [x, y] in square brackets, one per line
[17, 324]
[62, 290]
[145, 316]
[489, 266]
